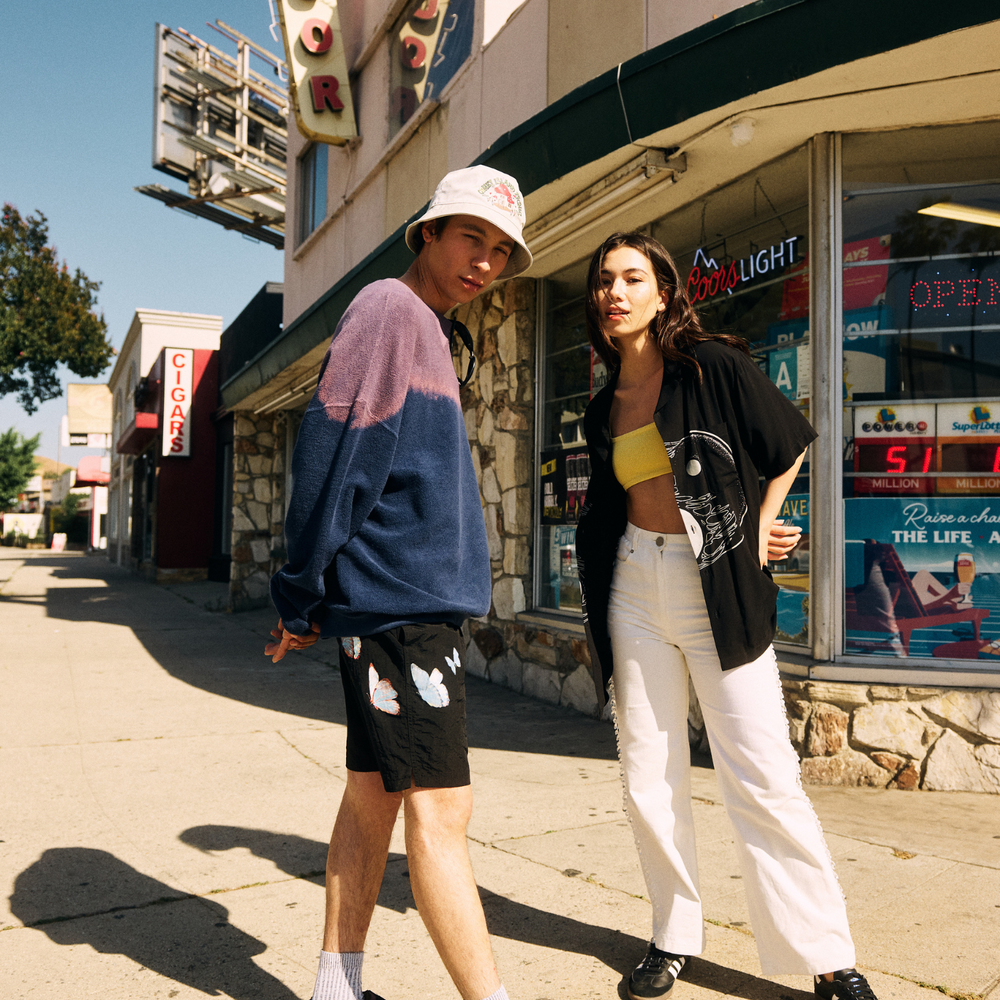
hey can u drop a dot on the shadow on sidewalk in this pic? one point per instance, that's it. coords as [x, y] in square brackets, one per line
[223, 654]
[304, 858]
[75, 896]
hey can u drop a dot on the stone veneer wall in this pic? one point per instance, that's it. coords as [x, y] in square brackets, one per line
[258, 541]
[884, 736]
[546, 661]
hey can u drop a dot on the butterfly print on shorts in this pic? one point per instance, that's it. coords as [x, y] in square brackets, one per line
[381, 693]
[429, 687]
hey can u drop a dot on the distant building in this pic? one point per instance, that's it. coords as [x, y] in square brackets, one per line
[164, 390]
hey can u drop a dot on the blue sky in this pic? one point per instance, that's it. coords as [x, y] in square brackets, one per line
[76, 138]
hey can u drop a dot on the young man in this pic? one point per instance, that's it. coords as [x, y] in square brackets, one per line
[387, 551]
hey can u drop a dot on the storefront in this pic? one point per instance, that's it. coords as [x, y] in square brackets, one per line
[832, 196]
[912, 560]
[162, 496]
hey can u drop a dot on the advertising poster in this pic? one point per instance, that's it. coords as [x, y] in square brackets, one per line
[565, 477]
[598, 373]
[553, 476]
[870, 363]
[792, 575]
[864, 284]
[922, 577]
[790, 369]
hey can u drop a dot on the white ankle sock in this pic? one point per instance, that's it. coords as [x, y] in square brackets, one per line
[339, 975]
[501, 994]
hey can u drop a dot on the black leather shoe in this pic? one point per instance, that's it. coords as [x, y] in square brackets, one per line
[655, 974]
[368, 995]
[848, 984]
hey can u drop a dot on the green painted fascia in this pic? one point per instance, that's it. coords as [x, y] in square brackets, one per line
[753, 48]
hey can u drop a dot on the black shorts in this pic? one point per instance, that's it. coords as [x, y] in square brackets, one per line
[405, 694]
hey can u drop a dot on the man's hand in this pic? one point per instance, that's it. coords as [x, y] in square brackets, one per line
[288, 640]
[779, 541]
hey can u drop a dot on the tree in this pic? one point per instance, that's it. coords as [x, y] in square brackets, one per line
[17, 465]
[47, 315]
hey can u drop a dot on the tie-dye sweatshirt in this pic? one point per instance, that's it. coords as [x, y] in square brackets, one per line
[384, 522]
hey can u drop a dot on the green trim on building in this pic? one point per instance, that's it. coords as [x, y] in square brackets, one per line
[759, 46]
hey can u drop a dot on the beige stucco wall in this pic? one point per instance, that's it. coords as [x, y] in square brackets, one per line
[545, 49]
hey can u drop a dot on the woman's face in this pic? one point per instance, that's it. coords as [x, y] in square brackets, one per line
[628, 298]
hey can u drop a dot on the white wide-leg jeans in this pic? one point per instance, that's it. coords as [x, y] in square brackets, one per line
[660, 633]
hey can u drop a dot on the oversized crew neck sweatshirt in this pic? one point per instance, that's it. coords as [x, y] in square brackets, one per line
[384, 524]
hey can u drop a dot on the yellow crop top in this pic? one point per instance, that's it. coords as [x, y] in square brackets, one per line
[639, 455]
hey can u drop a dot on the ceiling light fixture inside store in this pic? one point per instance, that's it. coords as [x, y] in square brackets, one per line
[962, 213]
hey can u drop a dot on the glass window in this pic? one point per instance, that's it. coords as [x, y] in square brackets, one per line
[312, 188]
[742, 252]
[571, 376]
[921, 300]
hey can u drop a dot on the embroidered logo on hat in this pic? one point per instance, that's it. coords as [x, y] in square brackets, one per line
[498, 193]
[485, 193]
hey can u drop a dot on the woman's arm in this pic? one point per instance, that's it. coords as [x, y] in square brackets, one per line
[777, 540]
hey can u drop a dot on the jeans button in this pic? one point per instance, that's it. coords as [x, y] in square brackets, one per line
[659, 539]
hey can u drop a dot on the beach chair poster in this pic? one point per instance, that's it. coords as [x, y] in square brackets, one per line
[922, 577]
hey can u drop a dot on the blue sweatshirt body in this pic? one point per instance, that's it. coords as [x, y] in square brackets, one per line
[384, 524]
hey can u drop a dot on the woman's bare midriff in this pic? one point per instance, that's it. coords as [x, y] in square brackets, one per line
[652, 506]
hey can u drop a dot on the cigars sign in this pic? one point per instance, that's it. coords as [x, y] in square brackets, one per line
[178, 365]
[317, 70]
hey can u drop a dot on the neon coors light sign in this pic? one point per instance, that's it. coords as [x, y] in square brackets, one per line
[709, 279]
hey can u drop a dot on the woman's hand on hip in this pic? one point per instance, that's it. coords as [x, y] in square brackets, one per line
[779, 540]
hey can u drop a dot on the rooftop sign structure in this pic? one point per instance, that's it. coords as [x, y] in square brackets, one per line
[221, 126]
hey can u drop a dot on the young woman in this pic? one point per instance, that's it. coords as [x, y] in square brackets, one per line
[672, 545]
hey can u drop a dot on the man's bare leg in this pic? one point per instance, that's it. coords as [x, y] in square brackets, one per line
[356, 860]
[444, 887]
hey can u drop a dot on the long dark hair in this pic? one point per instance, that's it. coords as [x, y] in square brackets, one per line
[675, 329]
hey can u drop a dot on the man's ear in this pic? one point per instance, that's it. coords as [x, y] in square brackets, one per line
[429, 230]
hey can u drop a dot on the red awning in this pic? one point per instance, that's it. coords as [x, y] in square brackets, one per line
[138, 434]
[90, 473]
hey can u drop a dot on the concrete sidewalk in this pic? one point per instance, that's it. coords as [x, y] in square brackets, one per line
[168, 794]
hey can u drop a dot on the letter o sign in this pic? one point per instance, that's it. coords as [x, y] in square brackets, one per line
[308, 36]
[413, 52]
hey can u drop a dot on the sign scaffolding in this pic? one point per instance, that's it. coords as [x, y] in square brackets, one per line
[222, 127]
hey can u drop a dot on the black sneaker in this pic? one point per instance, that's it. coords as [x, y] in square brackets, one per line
[655, 974]
[368, 995]
[848, 984]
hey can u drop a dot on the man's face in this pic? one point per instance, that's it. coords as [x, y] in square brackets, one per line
[463, 257]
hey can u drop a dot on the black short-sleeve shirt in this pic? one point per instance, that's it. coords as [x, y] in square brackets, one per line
[724, 434]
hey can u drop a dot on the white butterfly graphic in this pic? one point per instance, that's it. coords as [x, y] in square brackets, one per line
[453, 663]
[351, 645]
[430, 687]
[381, 692]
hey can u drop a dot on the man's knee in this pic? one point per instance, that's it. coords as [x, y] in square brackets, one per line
[366, 793]
[438, 812]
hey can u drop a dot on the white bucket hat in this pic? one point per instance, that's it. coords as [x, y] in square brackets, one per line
[487, 194]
